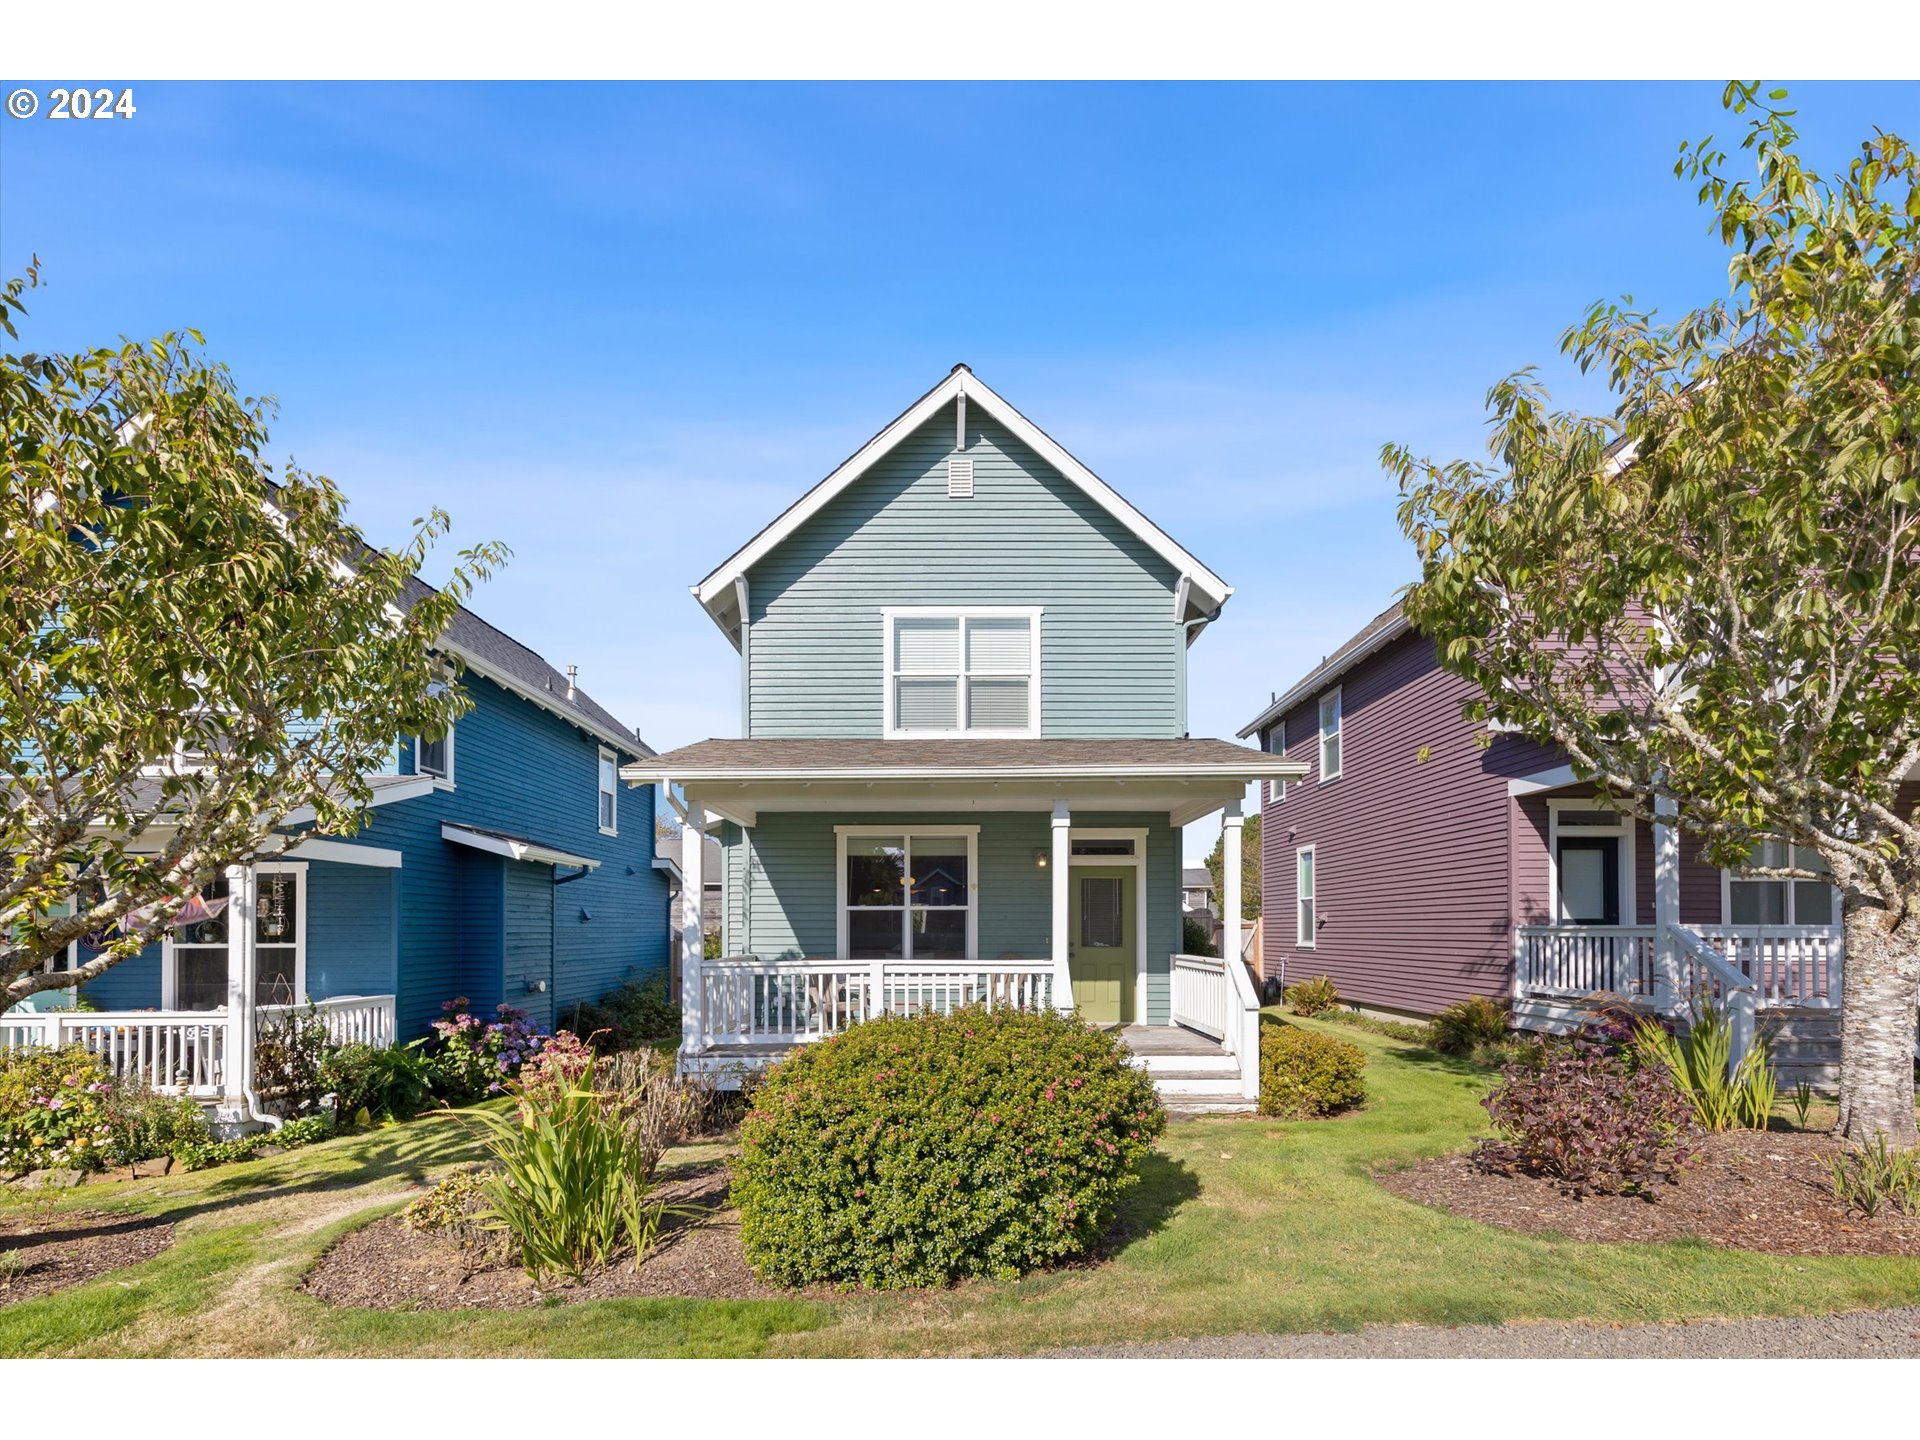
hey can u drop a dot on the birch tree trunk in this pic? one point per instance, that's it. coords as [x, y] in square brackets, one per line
[1880, 991]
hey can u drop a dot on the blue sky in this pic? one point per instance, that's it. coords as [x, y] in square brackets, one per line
[620, 327]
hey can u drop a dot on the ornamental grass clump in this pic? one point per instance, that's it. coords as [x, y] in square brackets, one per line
[571, 1179]
[1305, 1075]
[1311, 996]
[935, 1148]
[1475, 1026]
[1724, 1096]
[1588, 1114]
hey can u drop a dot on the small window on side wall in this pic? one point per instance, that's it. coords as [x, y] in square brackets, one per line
[1277, 745]
[609, 798]
[1330, 735]
[1303, 890]
[433, 755]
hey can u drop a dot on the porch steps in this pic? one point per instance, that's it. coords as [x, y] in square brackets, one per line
[1193, 1074]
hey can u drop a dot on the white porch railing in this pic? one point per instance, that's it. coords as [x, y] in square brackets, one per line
[1787, 965]
[1575, 960]
[1705, 972]
[1217, 998]
[184, 1051]
[743, 1000]
[350, 1019]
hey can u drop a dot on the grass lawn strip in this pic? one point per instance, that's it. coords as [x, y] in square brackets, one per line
[1240, 1225]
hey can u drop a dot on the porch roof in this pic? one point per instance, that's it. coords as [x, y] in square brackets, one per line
[1186, 778]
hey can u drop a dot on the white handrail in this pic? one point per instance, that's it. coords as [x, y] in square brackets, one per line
[1736, 992]
[1218, 998]
[745, 1000]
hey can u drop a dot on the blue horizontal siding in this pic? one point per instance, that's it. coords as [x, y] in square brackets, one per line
[351, 934]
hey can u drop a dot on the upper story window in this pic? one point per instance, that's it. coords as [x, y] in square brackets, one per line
[963, 672]
[1330, 735]
[433, 755]
[1277, 745]
[609, 793]
[1753, 900]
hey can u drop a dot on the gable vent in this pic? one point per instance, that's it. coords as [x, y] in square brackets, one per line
[959, 477]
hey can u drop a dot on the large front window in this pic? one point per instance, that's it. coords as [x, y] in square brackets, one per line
[907, 895]
[962, 672]
[1756, 901]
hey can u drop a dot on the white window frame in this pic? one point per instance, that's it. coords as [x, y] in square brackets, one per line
[1623, 830]
[889, 615]
[444, 781]
[611, 793]
[906, 832]
[1306, 907]
[1728, 878]
[1277, 789]
[1339, 735]
[169, 975]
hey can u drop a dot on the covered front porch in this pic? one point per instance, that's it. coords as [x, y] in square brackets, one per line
[315, 928]
[1610, 907]
[871, 878]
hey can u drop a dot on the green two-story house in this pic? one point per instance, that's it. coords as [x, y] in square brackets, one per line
[965, 764]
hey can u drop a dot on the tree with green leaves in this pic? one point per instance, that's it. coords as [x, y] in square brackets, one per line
[1710, 598]
[198, 653]
[1249, 869]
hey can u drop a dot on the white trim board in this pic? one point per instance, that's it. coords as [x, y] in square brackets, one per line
[338, 852]
[1207, 591]
[512, 847]
[1623, 831]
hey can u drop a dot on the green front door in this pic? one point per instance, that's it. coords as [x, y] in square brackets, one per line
[1101, 944]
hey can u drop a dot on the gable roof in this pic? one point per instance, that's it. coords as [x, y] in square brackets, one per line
[1201, 591]
[1389, 625]
[491, 652]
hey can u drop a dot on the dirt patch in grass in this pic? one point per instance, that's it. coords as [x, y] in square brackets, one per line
[41, 1256]
[385, 1266]
[1749, 1190]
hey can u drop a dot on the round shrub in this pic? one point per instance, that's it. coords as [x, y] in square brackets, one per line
[1468, 1027]
[1310, 997]
[924, 1150]
[1305, 1075]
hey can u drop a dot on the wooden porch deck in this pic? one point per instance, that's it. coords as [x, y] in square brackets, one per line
[1169, 1040]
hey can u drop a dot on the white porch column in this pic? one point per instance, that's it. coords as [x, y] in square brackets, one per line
[1666, 903]
[237, 1074]
[1061, 863]
[693, 899]
[1230, 822]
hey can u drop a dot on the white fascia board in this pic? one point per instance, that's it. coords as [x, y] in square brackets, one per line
[629, 744]
[382, 795]
[672, 867]
[513, 849]
[1254, 768]
[1326, 679]
[715, 592]
[1554, 779]
[339, 852]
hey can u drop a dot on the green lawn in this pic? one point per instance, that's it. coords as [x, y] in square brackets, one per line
[1241, 1224]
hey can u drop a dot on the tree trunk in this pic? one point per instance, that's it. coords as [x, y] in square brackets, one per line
[1880, 989]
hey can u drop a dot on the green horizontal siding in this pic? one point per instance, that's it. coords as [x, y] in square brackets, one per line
[1109, 647]
[781, 886]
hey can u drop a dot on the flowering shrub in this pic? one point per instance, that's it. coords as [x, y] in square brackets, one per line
[471, 1057]
[53, 1110]
[142, 1125]
[921, 1151]
[1305, 1075]
[1583, 1111]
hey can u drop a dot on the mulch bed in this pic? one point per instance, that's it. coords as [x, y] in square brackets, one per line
[385, 1266]
[62, 1250]
[1767, 1191]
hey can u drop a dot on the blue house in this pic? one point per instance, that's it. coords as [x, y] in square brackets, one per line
[503, 862]
[964, 761]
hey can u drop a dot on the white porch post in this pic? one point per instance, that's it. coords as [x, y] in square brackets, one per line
[693, 896]
[1230, 822]
[1061, 863]
[237, 1073]
[1666, 903]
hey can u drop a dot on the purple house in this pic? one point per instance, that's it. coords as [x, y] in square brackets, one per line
[1423, 860]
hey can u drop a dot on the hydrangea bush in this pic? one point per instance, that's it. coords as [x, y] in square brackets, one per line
[53, 1110]
[472, 1057]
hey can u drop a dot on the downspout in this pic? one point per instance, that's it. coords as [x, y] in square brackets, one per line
[1186, 629]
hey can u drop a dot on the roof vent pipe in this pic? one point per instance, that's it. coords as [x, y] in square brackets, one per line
[573, 674]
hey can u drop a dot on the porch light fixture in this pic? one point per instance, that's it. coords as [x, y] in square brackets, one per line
[1040, 858]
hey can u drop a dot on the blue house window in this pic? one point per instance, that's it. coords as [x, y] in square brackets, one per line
[609, 793]
[433, 755]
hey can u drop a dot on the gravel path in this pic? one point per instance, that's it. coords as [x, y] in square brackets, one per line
[1861, 1334]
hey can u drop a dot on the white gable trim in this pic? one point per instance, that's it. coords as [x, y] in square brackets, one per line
[1207, 589]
